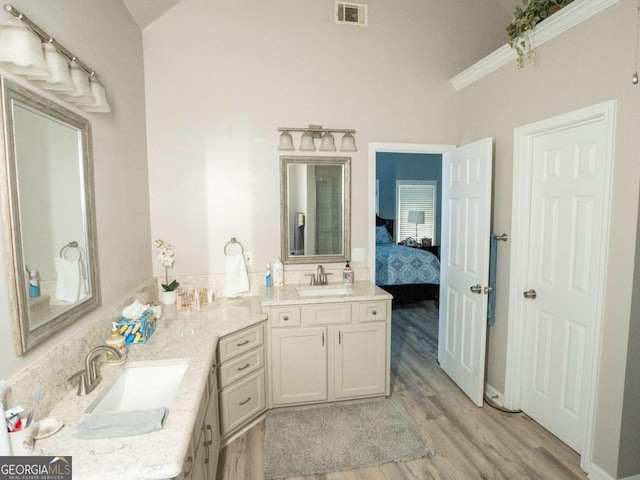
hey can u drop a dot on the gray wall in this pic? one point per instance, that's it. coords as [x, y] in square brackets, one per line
[391, 167]
[629, 460]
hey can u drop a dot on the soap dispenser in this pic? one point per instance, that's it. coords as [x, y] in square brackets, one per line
[116, 341]
[347, 275]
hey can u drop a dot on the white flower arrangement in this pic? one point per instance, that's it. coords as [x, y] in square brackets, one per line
[166, 258]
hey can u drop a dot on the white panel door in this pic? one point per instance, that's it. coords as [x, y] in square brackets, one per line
[466, 213]
[567, 191]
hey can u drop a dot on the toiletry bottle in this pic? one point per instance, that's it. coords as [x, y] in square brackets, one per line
[34, 283]
[116, 341]
[278, 273]
[347, 275]
[268, 278]
[5, 444]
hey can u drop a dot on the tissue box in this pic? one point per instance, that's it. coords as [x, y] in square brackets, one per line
[137, 331]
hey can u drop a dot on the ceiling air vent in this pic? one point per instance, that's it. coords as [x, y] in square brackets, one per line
[351, 13]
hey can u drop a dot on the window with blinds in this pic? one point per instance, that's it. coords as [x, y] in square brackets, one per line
[419, 195]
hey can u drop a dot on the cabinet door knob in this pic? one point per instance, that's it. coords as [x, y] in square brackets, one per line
[246, 401]
[375, 312]
[285, 318]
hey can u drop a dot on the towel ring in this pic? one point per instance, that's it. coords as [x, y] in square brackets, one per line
[73, 244]
[231, 242]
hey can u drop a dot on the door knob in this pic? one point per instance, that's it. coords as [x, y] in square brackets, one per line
[530, 294]
[476, 288]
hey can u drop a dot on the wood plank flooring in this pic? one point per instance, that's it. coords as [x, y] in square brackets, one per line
[470, 442]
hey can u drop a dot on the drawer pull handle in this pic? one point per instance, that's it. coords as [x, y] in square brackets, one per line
[375, 312]
[242, 344]
[339, 338]
[285, 318]
[323, 339]
[189, 462]
[246, 401]
[208, 442]
[244, 367]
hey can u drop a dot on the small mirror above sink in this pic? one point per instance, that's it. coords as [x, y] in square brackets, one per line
[145, 387]
[324, 291]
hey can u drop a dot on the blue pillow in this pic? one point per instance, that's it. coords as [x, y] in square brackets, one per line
[382, 235]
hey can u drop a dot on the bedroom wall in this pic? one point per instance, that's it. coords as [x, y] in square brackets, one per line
[222, 76]
[590, 63]
[87, 27]
[391, 167]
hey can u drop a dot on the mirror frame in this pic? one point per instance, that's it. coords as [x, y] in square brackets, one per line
[345, 162]
[25, 338]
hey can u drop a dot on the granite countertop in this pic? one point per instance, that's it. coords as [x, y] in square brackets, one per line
[179, 338]
[288, 294]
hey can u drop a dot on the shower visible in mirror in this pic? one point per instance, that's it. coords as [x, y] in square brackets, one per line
[48, 205]
[315, 209]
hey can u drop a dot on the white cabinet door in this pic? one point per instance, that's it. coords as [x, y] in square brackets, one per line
[360, 359]
[211, 432]
[299, 365]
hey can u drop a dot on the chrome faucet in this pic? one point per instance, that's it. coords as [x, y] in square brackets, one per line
[90, 377]
[320, 278]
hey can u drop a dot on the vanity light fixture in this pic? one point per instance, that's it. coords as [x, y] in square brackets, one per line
[286, 142]
[327, 143]
[21, 50]
[49, 65]
[309, 134]
[59, 78]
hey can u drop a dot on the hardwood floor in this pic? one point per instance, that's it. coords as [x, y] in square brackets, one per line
[470, 442]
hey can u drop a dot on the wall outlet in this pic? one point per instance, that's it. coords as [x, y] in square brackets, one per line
[248, 258]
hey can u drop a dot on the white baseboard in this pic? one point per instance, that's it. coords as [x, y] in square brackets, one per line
[494, 394]
[597, 473]
[633, 477]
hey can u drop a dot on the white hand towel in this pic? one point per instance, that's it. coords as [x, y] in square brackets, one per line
[69, 284]
[237, 278]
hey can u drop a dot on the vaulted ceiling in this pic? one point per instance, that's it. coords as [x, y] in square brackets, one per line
[144, 12]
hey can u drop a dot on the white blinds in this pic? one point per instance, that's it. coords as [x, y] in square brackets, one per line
[416, 195]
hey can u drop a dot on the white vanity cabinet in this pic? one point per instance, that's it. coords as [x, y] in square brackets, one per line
[321, 352]
[241, 378]
[201, 462]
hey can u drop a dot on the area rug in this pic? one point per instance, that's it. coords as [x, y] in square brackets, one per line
[339, 437]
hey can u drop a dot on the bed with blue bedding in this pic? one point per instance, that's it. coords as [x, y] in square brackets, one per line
[409, 274]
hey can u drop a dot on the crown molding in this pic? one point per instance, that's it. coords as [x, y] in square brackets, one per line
[570, 16]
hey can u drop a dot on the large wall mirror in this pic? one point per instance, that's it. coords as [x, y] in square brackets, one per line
[315, 209]
[48, 213]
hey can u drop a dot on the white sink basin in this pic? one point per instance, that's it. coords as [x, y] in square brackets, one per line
[322, 291]
[142, 388]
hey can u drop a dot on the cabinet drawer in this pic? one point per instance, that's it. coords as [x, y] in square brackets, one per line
[326, 313]
[285, 317]
[373, 311]
[241, 366]
[242, 401]
[238, 343]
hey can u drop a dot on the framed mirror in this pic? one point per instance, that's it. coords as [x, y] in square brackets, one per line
[49, 215]
[315, 209]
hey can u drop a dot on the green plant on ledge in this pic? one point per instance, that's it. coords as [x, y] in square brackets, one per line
[525, 18]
